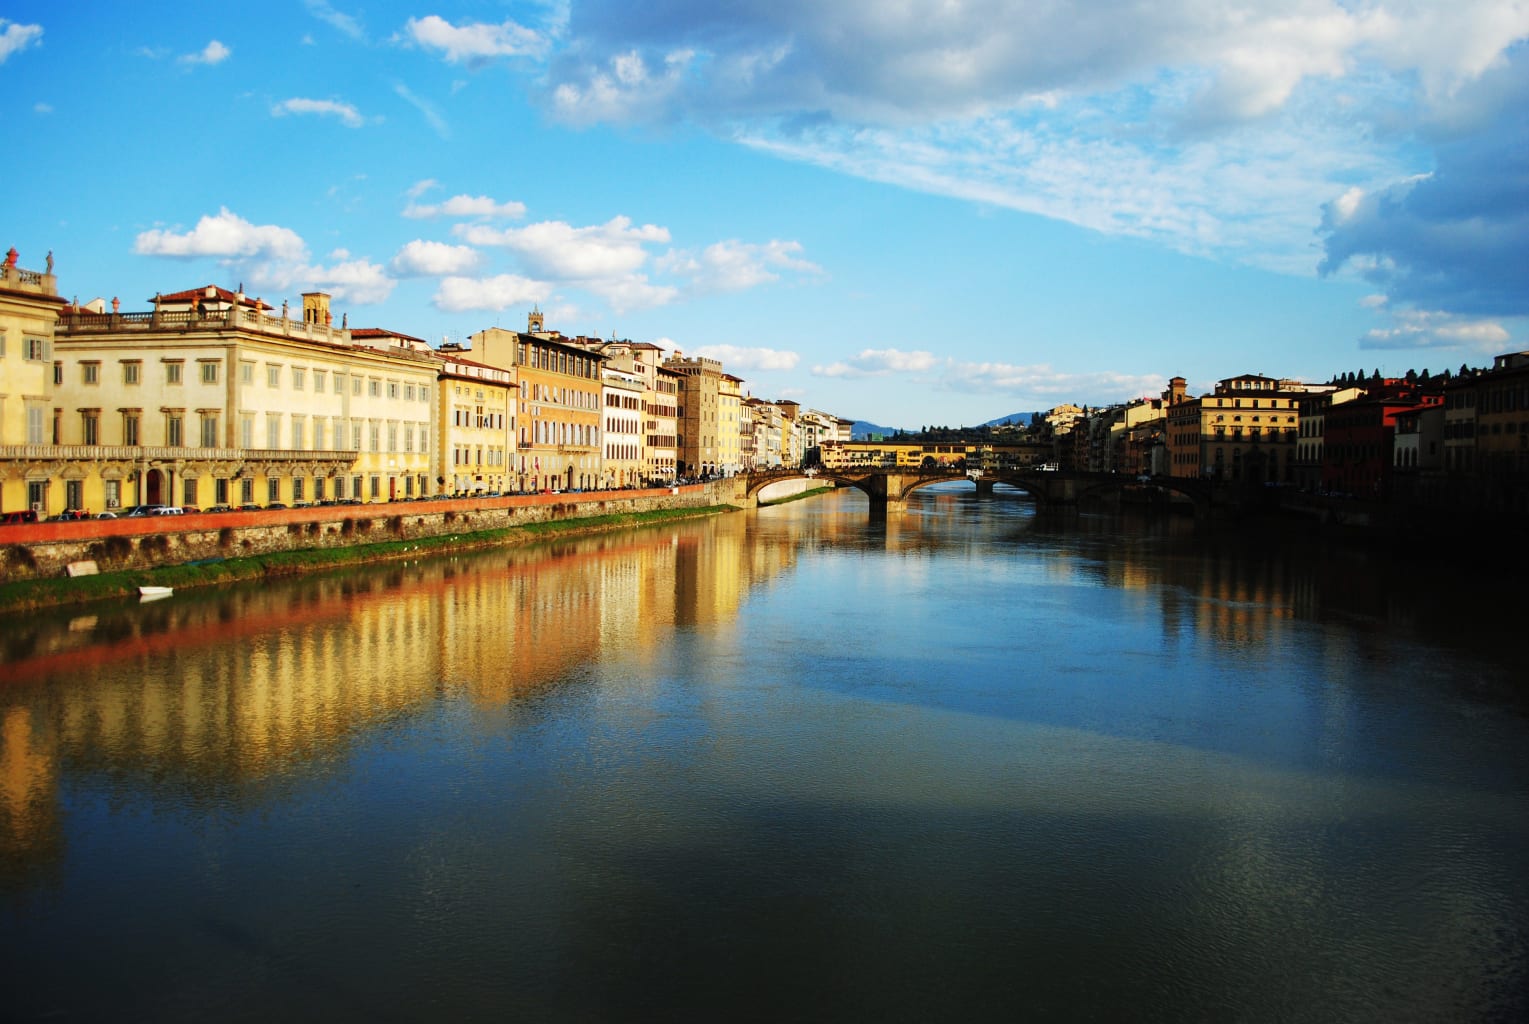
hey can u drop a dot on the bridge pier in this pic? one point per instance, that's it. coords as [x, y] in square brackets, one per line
[985, 487]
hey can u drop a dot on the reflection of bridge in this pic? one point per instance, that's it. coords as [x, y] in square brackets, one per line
[1052, 490]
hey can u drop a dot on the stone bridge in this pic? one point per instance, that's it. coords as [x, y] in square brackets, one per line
[1052, 490]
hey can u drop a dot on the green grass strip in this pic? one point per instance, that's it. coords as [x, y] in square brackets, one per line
[21, 595]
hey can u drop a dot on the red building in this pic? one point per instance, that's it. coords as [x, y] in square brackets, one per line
[1357, 441]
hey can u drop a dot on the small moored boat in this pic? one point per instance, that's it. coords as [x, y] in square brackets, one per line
[155, 591]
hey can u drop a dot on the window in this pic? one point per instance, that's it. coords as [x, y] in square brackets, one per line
[297, 488]
[374, 387]
[91, 373]
[37, 349]
[172, 373]
[355, 437]
[318, 486]
[209, 419]
[247, 491]
[246, 430]
[246, 373]
[392, 389]
[319, 381]
[130, 428]
[339, 384]
[35, 421]
[113, 493]
[376, 432]
[220, 490]
[209, 373]
[130, 372]
[272, 375]
[58, 373]
[188, 491]
[90, 424]
[272, 491]
[299, 378]
[273, 430]
[408, 392]
[173, 429]
[392, 437]
[355, 385]
[298, 431]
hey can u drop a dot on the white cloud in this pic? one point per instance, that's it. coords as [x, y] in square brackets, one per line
[624, 90]
[42, 108]
[558, 250]
[464, 206]
[1042, 383]
[734, 358]
[348, 114]
[878, 363]
[1433, 329]
[1373, 301]
[226, 235]
[357, 281]
[421, 258]
[422, 186]
[15, 37]
[213, 53]
[464, 294]
[474, 42]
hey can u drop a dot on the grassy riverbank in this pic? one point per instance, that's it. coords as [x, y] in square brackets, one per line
[21, 595]
[796, 497]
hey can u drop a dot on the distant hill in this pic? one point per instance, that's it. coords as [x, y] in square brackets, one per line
[863, 429]
[1021, 418]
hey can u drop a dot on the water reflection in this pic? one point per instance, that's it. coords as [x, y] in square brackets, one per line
[1145, 761]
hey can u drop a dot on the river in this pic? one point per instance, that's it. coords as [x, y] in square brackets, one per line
[788, 765]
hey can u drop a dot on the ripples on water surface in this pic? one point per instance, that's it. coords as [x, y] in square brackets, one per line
[791, 765]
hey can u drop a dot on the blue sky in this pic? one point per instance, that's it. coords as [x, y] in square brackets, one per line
[929, 212]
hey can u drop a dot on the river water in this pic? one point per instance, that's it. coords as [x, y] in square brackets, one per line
[787, 765]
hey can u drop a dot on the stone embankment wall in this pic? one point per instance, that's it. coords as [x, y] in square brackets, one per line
[43, 550]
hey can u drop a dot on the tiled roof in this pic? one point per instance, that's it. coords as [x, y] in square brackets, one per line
[192, 294]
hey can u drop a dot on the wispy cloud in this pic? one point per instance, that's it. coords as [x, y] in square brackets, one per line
[1432, 329]
[735, 358]
[213, 53]
[427, 110]
[347, 24]
[878, 363]
[733, 265]
[347, 114]
[42, 108]
[15, 37]
[463, 206]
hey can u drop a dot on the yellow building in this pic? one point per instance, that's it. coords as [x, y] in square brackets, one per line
[699, 414]
[558, 419]
[729, 424]
[209, 400]
[29, 458]
[476, 427]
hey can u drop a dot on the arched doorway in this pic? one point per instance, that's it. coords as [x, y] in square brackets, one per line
[153, 487]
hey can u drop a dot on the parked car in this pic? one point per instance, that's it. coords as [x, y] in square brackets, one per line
[276, 505]
[220, 508]
[138, 511]
[106, 515]
[167, 510]
[249, 507]
[24, 515]
[70, 514]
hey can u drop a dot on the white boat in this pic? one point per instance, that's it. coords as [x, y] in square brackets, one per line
[148, 592]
